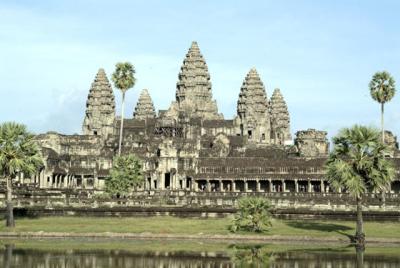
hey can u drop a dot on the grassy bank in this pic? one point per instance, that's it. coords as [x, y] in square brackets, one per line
[192, 226]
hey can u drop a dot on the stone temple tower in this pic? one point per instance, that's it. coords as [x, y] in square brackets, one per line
[252, 108]
[193, 89]
[100, 107]
[144, 107]
[280, 120]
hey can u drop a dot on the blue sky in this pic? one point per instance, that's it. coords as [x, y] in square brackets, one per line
[321, 54]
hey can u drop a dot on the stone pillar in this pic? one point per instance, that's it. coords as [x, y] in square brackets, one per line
[66, 181]
[258, 186]
[44, 179]
[296, 186]
[171, 181]
[322, 186]
[283, 186]
[175, 181]
[41, 179]
[233, 186]
[195, 185]
[245, 186]
[160, 181]
[83, 182]
[270, 185]
[95, 181]
[50, 180]
[309, 187]
[208, 186]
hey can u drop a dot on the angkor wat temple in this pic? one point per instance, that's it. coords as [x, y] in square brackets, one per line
[191, 146]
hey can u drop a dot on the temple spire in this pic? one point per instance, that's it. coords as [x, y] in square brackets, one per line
[193, 89]
[280, 119]
[144, 107]
[100, 107]
[252, 109]
[252, 96]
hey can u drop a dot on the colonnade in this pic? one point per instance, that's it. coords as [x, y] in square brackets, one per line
[261, 185]
[68, 181]
[168, 182]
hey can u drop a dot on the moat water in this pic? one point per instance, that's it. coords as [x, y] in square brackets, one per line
[59, 253]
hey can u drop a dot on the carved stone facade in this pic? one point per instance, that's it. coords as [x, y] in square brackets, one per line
[193, 89]
[252, 109]
[190, 146]
[100, 107]
[280, 120]
[391, 142]
[144, 108]
[312, 143]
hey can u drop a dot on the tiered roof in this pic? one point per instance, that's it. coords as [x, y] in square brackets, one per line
[280, 119]
[100, 105]
[144, 107]
[193, 90]
[252, 97]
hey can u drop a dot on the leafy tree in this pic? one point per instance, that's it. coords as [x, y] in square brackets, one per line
[18, 154]
[123, 79]
[125, 175]
[253, 215]
[382, 89]
[358, 165]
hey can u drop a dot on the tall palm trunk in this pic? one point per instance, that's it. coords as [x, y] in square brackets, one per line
[9, 210]
[122, 123]
[383, 122]
[383, 195]
[360, 236]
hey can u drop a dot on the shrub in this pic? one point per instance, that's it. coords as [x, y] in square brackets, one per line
[253, 215]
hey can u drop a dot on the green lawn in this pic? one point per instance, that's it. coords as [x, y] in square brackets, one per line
[174, 225]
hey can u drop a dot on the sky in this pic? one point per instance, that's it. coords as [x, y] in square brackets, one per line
[321, 54]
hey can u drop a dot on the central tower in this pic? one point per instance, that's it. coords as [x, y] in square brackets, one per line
[193, 89]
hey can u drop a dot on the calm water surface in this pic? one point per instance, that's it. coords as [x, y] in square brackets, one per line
[112, 253]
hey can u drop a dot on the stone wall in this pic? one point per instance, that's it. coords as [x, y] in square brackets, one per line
[186, 204]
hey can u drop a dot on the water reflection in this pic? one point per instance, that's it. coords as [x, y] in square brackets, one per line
[15, 255]
[252, 255]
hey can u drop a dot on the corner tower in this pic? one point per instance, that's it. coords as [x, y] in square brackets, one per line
[193, 89]
[253, 117]
[100, 107]
[144, 107]
[280, 120]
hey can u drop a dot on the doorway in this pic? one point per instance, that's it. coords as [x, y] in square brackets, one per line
[167, 180]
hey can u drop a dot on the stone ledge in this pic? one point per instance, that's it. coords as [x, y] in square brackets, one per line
[200, 236]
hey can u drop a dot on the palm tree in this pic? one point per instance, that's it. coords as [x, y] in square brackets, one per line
[19, 154]
[123, 79]
[253, 214]
[382, 89]
[358, 165]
